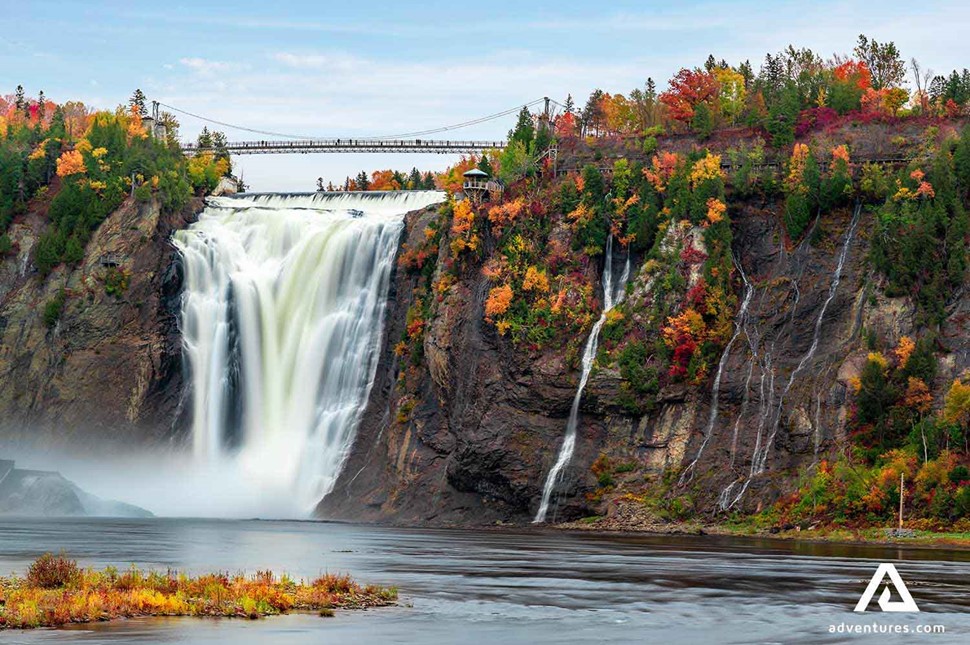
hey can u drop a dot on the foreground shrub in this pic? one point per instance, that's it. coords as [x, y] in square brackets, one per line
[51, 571]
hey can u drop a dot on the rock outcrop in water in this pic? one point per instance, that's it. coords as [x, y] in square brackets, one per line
[45, 493]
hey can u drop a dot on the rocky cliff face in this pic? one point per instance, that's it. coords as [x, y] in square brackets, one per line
[473, 440]
[106, 364]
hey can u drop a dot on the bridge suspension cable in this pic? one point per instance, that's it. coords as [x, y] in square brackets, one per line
[404, 135]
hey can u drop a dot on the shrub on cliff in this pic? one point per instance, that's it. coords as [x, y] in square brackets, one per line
[54, 308]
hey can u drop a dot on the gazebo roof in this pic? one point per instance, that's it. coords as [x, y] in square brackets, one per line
[475, 172]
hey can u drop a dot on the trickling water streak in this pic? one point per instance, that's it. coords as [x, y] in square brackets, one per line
[739, 323]
[760, 457]
[282, 317]
[611, 298]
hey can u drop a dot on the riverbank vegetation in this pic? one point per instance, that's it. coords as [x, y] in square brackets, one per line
[55, 592]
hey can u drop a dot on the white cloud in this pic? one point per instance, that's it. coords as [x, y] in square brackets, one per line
[207, 67]
[341, 62]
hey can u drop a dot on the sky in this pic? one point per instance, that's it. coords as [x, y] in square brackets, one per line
[356, 69]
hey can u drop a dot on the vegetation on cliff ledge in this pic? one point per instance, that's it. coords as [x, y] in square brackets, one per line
[56, 591]
[815, 138]
[83, 164]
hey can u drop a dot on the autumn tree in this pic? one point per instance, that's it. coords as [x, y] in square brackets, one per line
[731, 92]
[70, 163]
[850, 81]
[689, 88]
[883, 60]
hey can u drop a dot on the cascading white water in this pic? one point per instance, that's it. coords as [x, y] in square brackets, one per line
[739, 325]
[282, 317]
[759, 458]
[612, 296]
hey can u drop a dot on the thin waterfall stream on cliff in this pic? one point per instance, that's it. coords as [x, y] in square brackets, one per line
[612, 296]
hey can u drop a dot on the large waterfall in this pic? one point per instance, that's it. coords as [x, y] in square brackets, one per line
[282, 318]
[612, 296]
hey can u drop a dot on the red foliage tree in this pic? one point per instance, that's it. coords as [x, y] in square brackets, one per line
[688, 89]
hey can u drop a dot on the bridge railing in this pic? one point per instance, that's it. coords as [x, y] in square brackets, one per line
[354, 145]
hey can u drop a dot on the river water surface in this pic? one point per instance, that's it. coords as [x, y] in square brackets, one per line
[510, 586]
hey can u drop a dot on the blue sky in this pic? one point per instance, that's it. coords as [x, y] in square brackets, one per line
[365, 68]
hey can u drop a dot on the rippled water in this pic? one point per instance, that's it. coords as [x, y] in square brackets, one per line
[522, 586]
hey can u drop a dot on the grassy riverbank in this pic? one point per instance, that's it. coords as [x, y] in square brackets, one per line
[56, 591]
[636, 519]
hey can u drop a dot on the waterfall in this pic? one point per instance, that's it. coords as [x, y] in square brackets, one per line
[282, 317]
[611, 297]
[739, 325]
[759, 458]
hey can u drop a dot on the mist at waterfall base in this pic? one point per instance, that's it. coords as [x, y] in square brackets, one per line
[282, 320]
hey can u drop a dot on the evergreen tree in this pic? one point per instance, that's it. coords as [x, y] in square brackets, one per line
[744, 69]
[703, 121]
[524, 130]
[57, 129]
[485, 166]
[205, 140]
[782, 115]
[41, 107]
[137, 101]
[414, 180]
[362, 180]
[20, 102]
[569, 107]
[592, 116]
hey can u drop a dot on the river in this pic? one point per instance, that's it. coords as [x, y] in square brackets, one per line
[510, 585]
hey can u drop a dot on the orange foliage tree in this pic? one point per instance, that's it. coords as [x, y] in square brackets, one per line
[70, 163]
[498, 301]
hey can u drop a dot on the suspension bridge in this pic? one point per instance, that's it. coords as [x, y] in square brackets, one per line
[408, 142]
[307, 146]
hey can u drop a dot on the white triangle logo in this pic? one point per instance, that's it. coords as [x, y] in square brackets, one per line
[906, 604]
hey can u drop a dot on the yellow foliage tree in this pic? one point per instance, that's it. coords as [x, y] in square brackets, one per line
[904, 350]
[715, 210]
[956, 405]
[709, 167]
[70, 163]
[731, 92]
[535, 280]
[463, 236]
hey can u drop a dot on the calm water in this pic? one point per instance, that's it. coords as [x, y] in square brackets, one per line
[510, 586]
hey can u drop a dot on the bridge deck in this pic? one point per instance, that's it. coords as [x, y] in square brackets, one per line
[353, 145]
